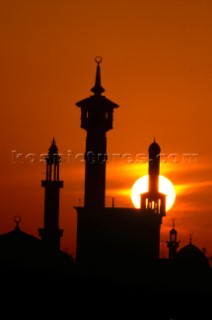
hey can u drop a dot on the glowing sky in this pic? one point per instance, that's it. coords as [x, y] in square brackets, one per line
[157, 65]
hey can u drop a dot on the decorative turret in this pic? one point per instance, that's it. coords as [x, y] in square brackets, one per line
[173, 244]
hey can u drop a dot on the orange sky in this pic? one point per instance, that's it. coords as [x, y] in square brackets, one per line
[157, 65]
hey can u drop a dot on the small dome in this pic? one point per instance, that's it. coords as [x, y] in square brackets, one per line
[154, 148]
[173, 231]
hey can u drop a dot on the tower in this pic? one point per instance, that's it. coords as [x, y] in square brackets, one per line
[172, 244]
[153, 200]
[96, 119]
[51, 233]
[106, 237]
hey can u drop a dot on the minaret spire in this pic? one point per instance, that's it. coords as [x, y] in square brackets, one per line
[98, 89]
[51, 233]
[154, 167]
[154, 200]
[96, 119]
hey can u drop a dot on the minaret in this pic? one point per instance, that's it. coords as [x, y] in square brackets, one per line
[96, 119]
[172, 244]
[51, 233]
[153, 200]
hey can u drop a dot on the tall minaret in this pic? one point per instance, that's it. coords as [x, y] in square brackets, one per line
[96, 119]
[172, 244]
[51, 233]
[153, 200]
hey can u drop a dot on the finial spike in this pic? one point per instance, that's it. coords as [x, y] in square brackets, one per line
[97, 89]
[53, 148]
[98, 60]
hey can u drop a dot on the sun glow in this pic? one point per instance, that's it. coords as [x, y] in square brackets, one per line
[141, 186]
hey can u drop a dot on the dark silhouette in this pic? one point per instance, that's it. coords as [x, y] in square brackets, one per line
[117, 248]
[51, 233]
[153, 200]
[32, 264]
[106, 236]
[120, 246]
[27, 254]
[173, 244]
[96, 119]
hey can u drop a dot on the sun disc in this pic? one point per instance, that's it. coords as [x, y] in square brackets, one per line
[141, 186]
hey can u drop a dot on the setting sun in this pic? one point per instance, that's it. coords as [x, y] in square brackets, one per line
[165, 186]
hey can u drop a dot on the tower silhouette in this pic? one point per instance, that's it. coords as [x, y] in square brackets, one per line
[153, 199]
[106, 237]
[172, 244]
[51, 233]
[96, 119]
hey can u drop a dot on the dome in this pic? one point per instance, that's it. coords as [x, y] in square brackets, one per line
[191, 255]
[154, 148]
[21, 250]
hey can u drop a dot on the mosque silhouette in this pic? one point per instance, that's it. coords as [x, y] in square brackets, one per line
[115, 245]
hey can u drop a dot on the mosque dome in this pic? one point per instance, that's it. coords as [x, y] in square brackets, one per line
[23, 251]
[191, 255]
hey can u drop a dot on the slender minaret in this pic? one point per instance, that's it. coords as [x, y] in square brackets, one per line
[172, 244]
[51, 233]
[153, 200]
[96, 119]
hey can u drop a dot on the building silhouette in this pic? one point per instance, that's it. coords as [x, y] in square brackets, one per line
[106, 236]
[28, 255]
[118, 249]
[125, 242]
